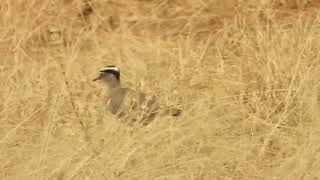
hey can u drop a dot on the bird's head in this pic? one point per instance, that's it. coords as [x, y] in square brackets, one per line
[110, 75]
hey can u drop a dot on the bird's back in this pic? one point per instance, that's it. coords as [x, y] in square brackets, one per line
[130, 105]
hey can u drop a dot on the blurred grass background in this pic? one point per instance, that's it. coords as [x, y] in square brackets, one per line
[246, 73]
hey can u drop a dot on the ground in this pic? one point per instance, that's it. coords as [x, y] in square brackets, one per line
[245, 73]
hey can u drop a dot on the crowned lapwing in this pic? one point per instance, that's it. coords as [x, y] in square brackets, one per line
[127, 104]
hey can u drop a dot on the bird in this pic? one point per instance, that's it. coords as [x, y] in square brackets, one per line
[129, 105]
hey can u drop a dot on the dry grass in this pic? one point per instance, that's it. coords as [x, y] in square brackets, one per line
[245, 73]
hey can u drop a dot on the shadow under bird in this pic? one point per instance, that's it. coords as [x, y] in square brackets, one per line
[129, 105]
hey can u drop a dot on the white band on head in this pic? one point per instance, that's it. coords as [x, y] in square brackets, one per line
[113, 68]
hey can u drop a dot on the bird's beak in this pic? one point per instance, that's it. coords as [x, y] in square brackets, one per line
[98, 78]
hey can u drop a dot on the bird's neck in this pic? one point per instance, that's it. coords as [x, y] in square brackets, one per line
[113, 86]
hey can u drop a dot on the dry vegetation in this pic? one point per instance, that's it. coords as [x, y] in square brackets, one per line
[246, 73]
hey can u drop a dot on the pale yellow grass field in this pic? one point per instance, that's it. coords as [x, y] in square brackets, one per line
[246, 74]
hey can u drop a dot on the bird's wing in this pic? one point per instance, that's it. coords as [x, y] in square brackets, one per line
[137, 106]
